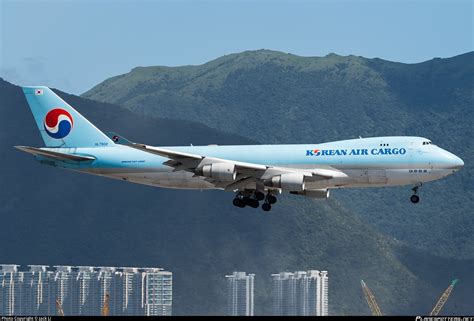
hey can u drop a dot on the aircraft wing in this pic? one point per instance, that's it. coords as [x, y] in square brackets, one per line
[188, 160]
[55, 154]
[246, 172]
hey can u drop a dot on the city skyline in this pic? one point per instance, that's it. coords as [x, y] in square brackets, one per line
[82, 290]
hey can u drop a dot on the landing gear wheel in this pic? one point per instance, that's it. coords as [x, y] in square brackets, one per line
[238, 202]
[252, 202]
[266, 207]
[414, 199]
[271, 199]
[259, 196]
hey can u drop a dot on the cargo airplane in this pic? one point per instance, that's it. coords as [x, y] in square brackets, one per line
[255, 173]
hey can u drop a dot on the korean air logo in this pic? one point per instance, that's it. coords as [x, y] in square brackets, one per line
[58, 123]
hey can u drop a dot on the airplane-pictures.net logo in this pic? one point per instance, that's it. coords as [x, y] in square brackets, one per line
[58, 123]
[356, 152]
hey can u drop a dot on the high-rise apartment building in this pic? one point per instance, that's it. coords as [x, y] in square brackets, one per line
[300, 293]
[10, 293]
[240, 294]
[35, 289]
[158, 292]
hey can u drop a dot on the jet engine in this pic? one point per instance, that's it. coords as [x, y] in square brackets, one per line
[220, 171]
[288, 182]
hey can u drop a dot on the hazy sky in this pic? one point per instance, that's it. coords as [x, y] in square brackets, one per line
[73, 45]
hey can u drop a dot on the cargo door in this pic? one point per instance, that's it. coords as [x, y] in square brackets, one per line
[377, 176]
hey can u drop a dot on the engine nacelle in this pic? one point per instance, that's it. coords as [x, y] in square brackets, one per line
[314, 193]
[221, 171]
[287, 182]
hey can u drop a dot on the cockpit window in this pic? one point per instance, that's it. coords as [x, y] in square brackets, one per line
[427, 143]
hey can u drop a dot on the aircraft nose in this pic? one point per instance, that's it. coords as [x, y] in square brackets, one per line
[458, 163]
[452, 161]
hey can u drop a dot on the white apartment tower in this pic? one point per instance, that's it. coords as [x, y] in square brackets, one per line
[9, 295]
[240, 294]
[300, 293]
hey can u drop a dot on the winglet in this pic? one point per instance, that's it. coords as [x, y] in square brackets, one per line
[118, 139]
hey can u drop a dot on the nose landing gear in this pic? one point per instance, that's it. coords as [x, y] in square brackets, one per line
[415, 198]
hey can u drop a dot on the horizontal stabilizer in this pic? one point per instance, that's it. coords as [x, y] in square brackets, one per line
[54, 154]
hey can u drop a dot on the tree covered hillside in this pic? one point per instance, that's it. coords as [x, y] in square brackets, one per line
[273, 97]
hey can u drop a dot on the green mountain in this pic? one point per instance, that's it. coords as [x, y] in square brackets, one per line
[272, 97]
[50, 216]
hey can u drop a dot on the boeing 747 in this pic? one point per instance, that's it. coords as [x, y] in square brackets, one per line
[255, 173]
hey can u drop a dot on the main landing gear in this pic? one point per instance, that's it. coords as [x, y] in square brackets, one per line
[253, 199]
[415, 198]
